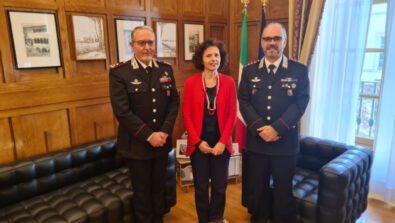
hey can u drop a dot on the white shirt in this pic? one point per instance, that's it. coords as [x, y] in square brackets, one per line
[276, 64]
[143, 64]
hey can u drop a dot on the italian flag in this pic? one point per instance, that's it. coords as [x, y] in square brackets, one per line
[240, 124]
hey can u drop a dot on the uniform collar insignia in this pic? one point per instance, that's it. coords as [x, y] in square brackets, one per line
[256, 79]
[134, 63]
[285, 62]
[154, 63]
[261, 63]
[136, 82]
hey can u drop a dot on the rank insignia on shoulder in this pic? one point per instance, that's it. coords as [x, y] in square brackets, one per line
[163, 62]
[113, 66]
[251, 63]
[255, 79]
[136, 82]
[296, 61]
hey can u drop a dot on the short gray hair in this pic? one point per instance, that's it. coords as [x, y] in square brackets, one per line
[141, 27]
[284, 32]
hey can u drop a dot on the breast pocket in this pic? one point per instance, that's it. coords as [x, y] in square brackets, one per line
[138, 93]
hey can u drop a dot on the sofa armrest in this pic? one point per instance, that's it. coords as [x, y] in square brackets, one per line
[343, 186]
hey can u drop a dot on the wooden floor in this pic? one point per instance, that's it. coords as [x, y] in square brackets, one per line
[184, 211]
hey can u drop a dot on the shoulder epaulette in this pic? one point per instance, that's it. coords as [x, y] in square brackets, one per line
[298, 62]
[251, 63]
[163, 62]
[113, 66]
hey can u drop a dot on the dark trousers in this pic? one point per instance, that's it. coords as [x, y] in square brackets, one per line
[264, 203]
[205, 167]
[148, 181]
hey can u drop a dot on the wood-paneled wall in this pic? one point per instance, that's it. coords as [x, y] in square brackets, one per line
[48, 109]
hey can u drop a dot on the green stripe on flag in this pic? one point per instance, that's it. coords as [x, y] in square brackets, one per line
[243, 44]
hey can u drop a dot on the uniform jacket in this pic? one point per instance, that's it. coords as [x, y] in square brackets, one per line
[279, 102]
[143, 104]
[193, 106]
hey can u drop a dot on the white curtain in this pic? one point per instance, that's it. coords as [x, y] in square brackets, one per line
[383, 171]
[335, 70]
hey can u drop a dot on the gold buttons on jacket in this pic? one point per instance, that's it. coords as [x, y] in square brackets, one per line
[154, 110]
[269, 97]
[154, 100]
[268, 118]
[154, 120]
[269, 107]
[153, 89]
[270, 87]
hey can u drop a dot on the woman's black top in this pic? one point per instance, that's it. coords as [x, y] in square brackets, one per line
[210, 127]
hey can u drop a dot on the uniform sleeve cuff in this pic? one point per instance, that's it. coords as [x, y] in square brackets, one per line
[167, 127]
[280, 126]
[252, 128]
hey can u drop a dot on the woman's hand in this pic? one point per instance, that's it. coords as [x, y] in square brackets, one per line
[204, 147]
[219, 148]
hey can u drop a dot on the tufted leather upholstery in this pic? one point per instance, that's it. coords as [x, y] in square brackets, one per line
[331, 182]
[84, 184]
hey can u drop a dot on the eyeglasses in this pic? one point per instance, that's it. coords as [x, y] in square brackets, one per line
[142, 43]
[275, 38]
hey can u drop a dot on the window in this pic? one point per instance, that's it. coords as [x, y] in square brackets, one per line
[372, 71]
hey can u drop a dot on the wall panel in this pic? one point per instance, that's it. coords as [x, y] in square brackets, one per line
[167, 8]
[193, 8]
[38, 4]
[41, 133]
[91, 123]
[2, 78]
[7, 152]
[126, 4]
[219, 10]
[278, 10]
[219, 32]
[75, 4]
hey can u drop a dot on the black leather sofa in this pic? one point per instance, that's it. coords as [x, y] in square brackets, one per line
[83, 184]
[331, 183]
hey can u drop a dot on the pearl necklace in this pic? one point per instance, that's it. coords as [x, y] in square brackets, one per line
[211, 111]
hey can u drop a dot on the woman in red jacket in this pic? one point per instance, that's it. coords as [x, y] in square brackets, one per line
[209, 112]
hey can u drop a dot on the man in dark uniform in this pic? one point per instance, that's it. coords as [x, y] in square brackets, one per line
[145, 101]
[273, 95]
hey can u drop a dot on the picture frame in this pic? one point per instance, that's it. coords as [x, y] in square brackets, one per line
[35, 39]
[166, 39]
[193, 36]
[89, 38]
[181, 148]
[123, 30]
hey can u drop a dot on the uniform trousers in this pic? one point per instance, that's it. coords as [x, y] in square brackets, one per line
[205, 167]
[265, 203]
[149, 184]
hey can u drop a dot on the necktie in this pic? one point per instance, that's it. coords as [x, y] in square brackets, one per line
[148, 70]
[271, 70]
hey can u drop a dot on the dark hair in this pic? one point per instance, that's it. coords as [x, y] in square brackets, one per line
[197, 58]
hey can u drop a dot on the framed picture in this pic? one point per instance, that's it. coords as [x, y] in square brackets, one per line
[181, 148]
[166, 39]
[35, 39]
[89, 37]
[124, 28]
[193, 36]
